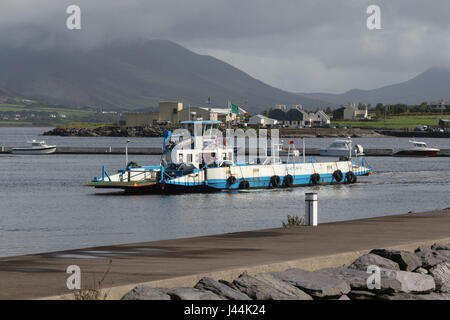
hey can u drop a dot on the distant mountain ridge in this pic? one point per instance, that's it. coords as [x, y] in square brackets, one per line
[136, 75]
[431, 85]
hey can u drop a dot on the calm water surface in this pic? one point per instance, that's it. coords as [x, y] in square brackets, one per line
[44, 206]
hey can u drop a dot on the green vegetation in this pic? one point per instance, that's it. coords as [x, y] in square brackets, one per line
[32, 113]
[86, 125]
[15, 123]
[36, 108]
[393, 122]
[293, 221]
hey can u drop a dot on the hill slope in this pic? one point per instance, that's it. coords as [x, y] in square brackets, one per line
[430, 85]
[135, 75]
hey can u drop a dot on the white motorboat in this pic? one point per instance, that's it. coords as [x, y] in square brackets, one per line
[419, 149]
[37, 147]
[341, 148]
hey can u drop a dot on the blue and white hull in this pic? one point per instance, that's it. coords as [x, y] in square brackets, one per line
[272, 176]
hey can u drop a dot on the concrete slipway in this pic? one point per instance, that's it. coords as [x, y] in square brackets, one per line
[182, 262]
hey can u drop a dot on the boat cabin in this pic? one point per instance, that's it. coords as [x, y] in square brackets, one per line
[204, 148]
[35, 143]
[418, 144]
[340, 144]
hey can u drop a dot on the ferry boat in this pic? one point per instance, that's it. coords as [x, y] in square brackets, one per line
[37, 147]
[208, 163]
[419, 149]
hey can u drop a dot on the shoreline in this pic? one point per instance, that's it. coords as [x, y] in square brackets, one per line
[157, 132]
[182, 262]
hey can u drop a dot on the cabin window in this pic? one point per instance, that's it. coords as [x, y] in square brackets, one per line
[180, 158]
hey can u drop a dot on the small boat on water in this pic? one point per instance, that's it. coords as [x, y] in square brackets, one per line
[207, 163]
[37, 147]
[342, 149]
[419, 149]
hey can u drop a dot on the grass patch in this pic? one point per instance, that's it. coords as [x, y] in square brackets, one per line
[86, 125]
[95, 291]
[293, 221]
[16, 123]
[394, 122]
[4, 107]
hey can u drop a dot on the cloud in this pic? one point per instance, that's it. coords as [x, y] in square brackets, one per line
[297, 45]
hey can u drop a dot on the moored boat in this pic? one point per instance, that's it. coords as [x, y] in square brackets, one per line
[343, 149]
[37, 147]
[419, 149]
[208, 163]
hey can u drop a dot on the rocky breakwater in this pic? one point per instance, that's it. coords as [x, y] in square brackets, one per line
[109, 131]
[399, 275]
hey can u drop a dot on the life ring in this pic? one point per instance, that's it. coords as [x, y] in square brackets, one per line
[275, 181]
[288, 181]
[350, 176]
[338, 176]
[231, 180]
[315, 178]
[244, 185]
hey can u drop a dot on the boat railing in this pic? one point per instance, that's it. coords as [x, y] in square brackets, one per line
[360, 167]
[132, 173]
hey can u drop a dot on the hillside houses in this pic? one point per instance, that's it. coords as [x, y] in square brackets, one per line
[351, 112]
[297, 117]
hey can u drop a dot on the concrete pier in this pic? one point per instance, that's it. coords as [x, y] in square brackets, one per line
[100, 150]
[157, 151]
[182, 262]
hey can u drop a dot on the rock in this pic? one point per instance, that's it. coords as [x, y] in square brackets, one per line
[411, 296]
[436, 296]
[441, 275]
[344, 297]
[357, 279]
[421, 270]
[438, 246]
[407, 261]
[316, 284]
[373, 259]
[401, 296]
[184, 293]
[286, 289]
[431, 257]
[222, 290]
[261, 290]
[362, 295]
[146, 293]
[411, 282]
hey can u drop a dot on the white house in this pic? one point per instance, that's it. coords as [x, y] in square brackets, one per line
[262, 120]
[319, 118]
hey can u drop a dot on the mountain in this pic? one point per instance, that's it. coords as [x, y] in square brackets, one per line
[431, 85]
[6, 93]
[135, 75]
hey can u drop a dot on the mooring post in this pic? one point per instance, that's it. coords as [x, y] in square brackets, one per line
[311, 203]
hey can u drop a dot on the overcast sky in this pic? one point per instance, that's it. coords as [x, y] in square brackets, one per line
[296, 45]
